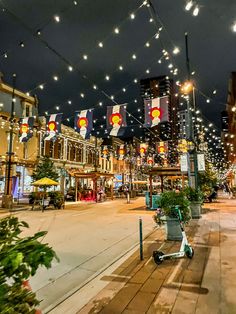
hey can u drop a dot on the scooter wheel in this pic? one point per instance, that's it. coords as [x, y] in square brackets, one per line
[190, 252]
[156, 256]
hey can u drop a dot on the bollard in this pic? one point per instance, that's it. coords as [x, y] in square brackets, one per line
[128, 198]
[141, 239]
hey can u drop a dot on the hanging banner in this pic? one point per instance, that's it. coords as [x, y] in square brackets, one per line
[83, 123]
[105, 152]
[182, 146]
[162, 148]
[156, 111]
[150, 160]
[26, 129]
[121, 152]
[201, 162]
[143, 149]
[53, 126]
[138, 161]
[184, 163]
[116, 120]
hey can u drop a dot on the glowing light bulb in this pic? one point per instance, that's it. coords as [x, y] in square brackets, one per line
[107, 77]
[57, 18]
[147, 44]
[41, 86]
[121, 68]
[55, 77]
[124, 89]
[208, 100]
[100, 44]
[176, 50]
[95, 87]
[132, 16]
[134, 56]
[196, 11]
[234, 27]
[189, 5]
[116, 30]
[82, 95]
[70, 68]
[69, 102]
[85, 57]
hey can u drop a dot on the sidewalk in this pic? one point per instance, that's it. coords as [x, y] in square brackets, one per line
[205, 284]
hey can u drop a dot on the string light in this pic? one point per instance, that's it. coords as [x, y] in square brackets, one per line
[147, 44]
[134, 56]
[234, 27]
[22, 44]
[69, 102]
[70, 68]
[100, 44]
[121, 68]
[107, 77]
[82, 95]
[116, 30]
[196, 11]
[132, 16]
[55, 77]
[176, 50]
[85, 57]
[189, 5]
[38, 32]
[57, 18]
[41, 86]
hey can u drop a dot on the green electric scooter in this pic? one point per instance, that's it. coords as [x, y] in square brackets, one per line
[185, 248]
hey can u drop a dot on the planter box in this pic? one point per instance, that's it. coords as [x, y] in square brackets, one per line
[173, 230]
[196, 209]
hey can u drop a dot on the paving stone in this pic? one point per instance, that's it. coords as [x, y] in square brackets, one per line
[152, 285]
[141, 302]
[122, 299]
[140, 277]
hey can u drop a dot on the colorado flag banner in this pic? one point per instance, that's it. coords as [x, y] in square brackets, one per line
[26, 129]
[116, 120]
[84, 123]
[162, 148]
[53, 126]
[156, 111]
[143, 149]
[121, 152]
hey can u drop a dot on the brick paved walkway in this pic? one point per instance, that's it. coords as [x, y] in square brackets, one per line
[205, 284]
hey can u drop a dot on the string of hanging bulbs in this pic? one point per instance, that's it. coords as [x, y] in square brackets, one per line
[193, 7]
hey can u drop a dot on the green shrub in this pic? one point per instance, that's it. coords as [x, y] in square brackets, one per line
[194, 195]
[20, 257]
[169, 200]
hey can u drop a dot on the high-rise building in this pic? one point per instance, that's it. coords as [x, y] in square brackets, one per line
[229, 126]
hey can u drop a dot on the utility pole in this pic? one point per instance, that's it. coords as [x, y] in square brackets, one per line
[191, 101]
[7, 197]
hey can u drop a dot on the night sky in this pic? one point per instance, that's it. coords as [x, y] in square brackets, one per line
[85, 23]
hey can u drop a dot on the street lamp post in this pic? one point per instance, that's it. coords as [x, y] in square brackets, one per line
[188, 89]
[7, 197]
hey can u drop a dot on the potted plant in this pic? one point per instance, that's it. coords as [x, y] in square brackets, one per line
[168, 202]
[20, 257]
[195, 196]
[56, 199]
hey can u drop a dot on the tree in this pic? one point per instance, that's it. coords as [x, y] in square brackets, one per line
[20, 258]
[208, 179]
[45, 168]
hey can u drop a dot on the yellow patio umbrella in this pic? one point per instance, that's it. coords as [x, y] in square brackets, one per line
[45, 182]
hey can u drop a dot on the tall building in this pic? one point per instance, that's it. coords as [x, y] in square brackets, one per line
[229, 127]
